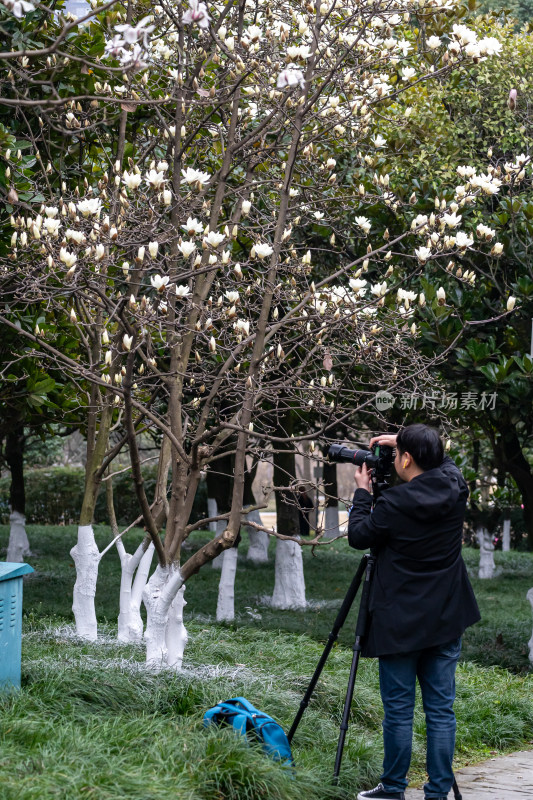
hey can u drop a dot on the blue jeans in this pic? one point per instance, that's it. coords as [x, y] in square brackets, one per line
[435, 670]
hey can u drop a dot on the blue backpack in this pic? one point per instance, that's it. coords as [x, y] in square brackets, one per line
[245, 719]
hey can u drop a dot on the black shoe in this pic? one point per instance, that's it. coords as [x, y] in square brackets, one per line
[379, 793]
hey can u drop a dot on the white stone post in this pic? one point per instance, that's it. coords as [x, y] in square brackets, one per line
[19, 545]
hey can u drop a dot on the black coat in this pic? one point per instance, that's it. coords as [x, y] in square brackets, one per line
[421, 595]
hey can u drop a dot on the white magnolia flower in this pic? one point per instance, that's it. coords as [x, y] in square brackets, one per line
[497, 249]
[441, 296]
[379, 289]
[213, 239]
[99, 252]
[159, 282]
[90, 207]
[433, 42]
[290, 76]
[19, 7]
[153, 247]
[242, 325]
[134, 33]
[51, 211]
[127, 341]
[423, 253]
[254, 33]
[114, 47]
[358, 285]
[462, 240]
[132, 179]
[232, 297]
[187, 248]
[302, 51]
[69, 259]
[246, 206]
[195, 177]
[511, 303]
[192, 226]
[451, 220]
[155, 179]
[379, 141]
[364, 223]
[484, 232]
[167, 197]
[182, 291]
[197, 14]
[489, 46]
[408, 73]
[51, 226]
[75, 236]
[263, 250]
[464, 35]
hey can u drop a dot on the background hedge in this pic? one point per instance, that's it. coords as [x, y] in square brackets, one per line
[54, 496]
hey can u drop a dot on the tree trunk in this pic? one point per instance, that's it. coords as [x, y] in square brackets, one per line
[212, 511]
[331, 491]
[529, 596]
[19, 545]
[486, 553]
[506, 535]
[130, 624]
[258, 549]
[226, 586]
[85, 553]
[219, 488]
[289, 585]
[86, 557]
[165, 587]
[176, 636]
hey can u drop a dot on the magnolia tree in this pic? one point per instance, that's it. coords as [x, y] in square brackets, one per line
[192, 183]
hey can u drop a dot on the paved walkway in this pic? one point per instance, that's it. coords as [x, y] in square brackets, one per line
[503, 778]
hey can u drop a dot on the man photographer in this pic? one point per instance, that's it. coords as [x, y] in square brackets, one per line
[421, 601]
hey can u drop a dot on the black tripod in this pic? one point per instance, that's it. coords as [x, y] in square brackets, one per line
[366, 569]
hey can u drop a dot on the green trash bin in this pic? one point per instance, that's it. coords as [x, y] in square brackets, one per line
[11, 622]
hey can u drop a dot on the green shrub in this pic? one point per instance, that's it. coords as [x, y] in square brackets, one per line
[54, 497]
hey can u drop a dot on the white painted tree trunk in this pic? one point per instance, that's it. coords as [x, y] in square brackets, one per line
[226, 586]
[506, 535]
[289, 585]
[529, 596]
[176, 634]
[86, 557]
[486, 554]
[258, 549]
[331, 522]
[19, 545]
[219, 560]
[130, 624]
[212, 511]
[158, 595]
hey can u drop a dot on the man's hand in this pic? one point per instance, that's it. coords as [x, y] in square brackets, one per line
[362, 478]
[388, 439]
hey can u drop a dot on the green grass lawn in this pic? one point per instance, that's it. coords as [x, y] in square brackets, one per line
[91, 722]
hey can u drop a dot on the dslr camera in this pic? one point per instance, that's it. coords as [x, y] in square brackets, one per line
[379, 459]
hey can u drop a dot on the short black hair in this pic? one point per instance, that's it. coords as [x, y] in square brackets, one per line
[423, 444]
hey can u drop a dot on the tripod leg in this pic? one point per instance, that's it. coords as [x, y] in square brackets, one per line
[360, 631]
[337, 625]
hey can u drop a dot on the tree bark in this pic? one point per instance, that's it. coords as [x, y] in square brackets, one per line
[486, 553]
[289, 585]
[331, 491]
[19, 545]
